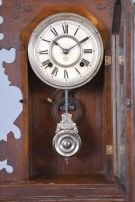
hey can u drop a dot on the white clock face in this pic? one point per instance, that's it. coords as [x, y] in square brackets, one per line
[65, 51]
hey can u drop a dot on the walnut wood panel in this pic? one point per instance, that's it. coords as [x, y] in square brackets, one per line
[24, 16]
[129, 91]
[61, 192]
[20, 18]
[90, 157]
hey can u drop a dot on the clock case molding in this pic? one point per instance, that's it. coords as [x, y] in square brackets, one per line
[104, 169]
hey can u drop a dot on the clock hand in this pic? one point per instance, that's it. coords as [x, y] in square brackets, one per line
[83, 40]
[80, 42]
[65, 51]
[57, 44]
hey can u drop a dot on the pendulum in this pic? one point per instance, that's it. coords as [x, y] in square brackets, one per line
[66, 141]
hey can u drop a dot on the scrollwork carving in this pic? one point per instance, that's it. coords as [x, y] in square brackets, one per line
[19, 5]
[106, 4]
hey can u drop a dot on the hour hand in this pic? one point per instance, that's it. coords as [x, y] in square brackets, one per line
[57, 44]
[65, 51]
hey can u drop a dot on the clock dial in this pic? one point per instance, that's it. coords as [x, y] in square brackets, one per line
[65, 51]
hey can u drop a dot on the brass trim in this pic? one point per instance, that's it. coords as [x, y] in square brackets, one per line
[109, 150]
[108, 60]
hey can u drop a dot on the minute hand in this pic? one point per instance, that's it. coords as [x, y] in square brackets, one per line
[80, 42]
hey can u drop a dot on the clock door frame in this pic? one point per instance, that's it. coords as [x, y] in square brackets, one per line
[20, 185]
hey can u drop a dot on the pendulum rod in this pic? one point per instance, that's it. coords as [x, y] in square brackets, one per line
[66, 111]
[66, 101]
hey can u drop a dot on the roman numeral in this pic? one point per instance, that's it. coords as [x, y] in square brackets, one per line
[76, 31]
[65, 74]
[53, 30]
[43, 52]
[46, 40]
[46, 63]
[65, 29]
[85, 62]
[55, 71]
[87, 51]
[77, 71]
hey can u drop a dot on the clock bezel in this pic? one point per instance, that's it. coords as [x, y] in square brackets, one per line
[48, 21]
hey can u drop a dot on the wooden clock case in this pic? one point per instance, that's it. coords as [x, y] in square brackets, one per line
[104, 168]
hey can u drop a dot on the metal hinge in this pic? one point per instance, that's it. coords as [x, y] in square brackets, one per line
[121, 60]
[109, 149]
[108, 60]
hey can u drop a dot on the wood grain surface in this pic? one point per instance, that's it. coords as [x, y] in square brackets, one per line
[40, 172]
